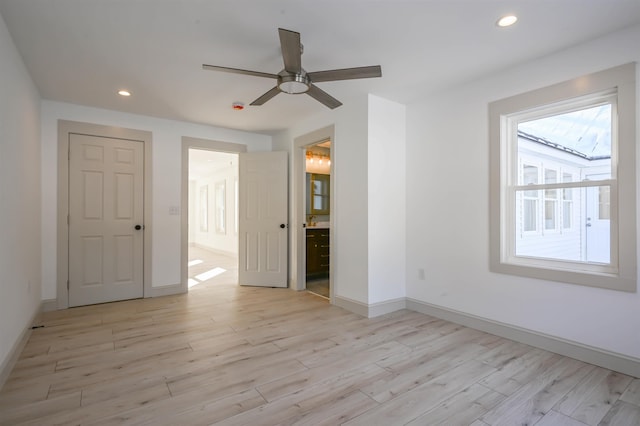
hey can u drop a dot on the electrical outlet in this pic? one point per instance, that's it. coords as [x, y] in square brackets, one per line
[421, 274]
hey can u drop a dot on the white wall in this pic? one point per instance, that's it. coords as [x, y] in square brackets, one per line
[447, 210]
[20, 273]
[387, 200]
[349, 210]
[166, 169]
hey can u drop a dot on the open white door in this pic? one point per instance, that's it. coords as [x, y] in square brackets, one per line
[263, 228]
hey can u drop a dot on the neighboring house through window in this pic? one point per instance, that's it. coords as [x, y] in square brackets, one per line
[563, 182]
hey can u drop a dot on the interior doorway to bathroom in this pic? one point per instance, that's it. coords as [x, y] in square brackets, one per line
[317, 215]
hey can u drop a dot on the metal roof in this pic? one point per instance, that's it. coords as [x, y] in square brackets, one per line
[586, 133]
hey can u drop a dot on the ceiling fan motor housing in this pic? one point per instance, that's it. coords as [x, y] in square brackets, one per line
[293, 83]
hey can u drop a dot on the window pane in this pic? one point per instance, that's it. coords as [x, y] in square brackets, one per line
[578, 139]
[565, 223]
[580, 221]
[529, 213]
[529, 175]
[604, 203]
[567, 213]
[547, 245]
[549, 214]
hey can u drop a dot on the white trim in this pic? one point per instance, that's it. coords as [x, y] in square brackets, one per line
[165, 290]
[351, 305]
[14, 353]
[603, 358]
[64, 129]
[214, 250]
[386, 307]
[372, 310]
[49, 305]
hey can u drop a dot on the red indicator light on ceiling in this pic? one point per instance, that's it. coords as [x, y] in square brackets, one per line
[238, 106]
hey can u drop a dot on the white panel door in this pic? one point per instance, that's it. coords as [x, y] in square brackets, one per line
[598, 224]
[263, 229]
[105, 207]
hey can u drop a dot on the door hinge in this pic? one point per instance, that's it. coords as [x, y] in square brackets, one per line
[68, 220]
[67, 284]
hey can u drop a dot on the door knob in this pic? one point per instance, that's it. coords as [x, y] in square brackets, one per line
[282, 225]
[138, 227]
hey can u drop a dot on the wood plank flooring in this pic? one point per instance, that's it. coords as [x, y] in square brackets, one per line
[231, 355]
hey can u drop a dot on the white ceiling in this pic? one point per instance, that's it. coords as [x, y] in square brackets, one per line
[84, 51]
[203, 162]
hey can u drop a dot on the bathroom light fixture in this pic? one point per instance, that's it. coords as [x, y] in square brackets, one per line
[124, 92]
[319, 158]
[507, 21]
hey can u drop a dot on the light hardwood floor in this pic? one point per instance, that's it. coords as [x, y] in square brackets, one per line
[231, 355]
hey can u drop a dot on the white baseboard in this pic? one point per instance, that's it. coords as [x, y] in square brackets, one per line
[214, 250]
[372, 310]
[592, 355]
[352, 305]
[167, 290]
[607, 359]
[14, 354]
[386, 307]
[49, 305]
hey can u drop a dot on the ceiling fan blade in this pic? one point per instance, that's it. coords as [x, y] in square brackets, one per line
[323, 97]
[238, 71]
[345, 74]
[291, 50]
[264, 98]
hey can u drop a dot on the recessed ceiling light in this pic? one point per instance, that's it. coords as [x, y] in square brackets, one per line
[507, 21]
[124, 93]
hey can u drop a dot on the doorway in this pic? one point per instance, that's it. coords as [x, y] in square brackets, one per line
[126, 154]
[299, 225]
[318, 218]
[188, 214]
[213, 215]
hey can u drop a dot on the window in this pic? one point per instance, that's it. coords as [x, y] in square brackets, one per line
[563, 182]
[220, 202]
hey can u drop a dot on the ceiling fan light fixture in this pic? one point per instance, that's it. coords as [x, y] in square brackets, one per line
[293, 84]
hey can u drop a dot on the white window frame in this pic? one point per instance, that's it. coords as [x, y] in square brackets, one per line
[621, 273]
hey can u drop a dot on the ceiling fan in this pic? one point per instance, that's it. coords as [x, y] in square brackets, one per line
[293, 79]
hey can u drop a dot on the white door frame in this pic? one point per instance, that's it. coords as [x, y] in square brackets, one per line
[70, 127]
[298, 249]
[196, 143]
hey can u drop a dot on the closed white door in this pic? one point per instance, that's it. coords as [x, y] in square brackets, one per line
[106, 203]
[598, 225]
[262, 215]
